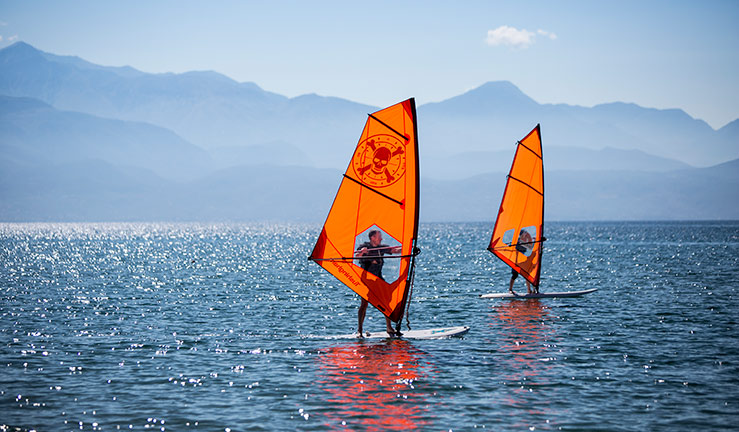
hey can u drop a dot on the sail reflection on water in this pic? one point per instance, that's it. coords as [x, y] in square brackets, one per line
[526, 354]
[373, 386]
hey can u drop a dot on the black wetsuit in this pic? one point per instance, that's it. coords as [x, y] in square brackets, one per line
[372, 261]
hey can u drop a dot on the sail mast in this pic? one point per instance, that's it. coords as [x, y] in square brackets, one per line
[414, 239]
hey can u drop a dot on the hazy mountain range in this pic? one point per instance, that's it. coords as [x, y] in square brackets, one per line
[79, 141]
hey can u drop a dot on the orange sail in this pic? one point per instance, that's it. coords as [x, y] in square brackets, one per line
[519, 230]
[379, 192]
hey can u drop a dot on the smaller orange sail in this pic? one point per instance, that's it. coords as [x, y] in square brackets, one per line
[519, 229]
[379, 193]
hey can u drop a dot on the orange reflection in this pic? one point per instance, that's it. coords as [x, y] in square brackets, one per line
[372, 385]
[525, 352]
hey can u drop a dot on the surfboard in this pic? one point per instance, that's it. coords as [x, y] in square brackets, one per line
[434, 333]
[540, 295]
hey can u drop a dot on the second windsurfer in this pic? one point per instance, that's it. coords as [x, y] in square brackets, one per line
[524, 246]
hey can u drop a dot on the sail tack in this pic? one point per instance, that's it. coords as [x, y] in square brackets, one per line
[518, 234]
[379, 191]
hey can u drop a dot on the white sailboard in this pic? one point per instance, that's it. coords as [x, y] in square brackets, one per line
[434, 333]
[539, 295]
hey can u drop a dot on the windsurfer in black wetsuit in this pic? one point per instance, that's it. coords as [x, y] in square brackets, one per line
[371, 253]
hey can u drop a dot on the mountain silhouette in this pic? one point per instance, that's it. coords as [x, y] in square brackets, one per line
[81, 141]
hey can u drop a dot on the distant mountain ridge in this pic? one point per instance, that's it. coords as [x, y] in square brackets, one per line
[98, 191]
[463, 165]
[33, 133]
[212, 110]
[496, 114]
[82, 142]
[206, 108]
[485, 100]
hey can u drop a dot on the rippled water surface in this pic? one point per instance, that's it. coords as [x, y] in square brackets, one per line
[221, 327]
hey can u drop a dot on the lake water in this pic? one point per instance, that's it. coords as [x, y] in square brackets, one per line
[221, 327]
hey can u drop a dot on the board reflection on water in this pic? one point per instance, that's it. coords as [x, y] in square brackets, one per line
[373, 386]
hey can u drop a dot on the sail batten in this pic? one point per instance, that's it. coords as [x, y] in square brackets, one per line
[372, 189]
[531, 150]
[527, 185]
[518, 234]
[378, 192]
[389, 127]
[354, 258]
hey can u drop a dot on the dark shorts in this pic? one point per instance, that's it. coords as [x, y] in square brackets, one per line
[514, 274]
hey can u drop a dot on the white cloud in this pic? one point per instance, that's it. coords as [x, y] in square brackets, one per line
[550, 35]
[511, 36]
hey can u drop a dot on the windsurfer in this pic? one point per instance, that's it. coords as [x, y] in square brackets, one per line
[524, 246]
[374, 249]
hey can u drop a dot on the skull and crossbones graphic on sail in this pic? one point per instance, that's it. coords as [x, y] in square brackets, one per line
[379, 160]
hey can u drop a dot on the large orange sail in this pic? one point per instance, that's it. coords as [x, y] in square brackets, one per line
[379, 191]
[519, 230]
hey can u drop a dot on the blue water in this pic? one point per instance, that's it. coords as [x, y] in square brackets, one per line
[220, 327]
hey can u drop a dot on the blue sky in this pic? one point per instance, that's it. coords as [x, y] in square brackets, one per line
[660, 54]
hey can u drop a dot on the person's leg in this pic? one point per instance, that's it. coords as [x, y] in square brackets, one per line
[389, 328]
[360, 315]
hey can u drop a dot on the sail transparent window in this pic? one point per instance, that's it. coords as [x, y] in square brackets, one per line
[526, 238]
[508, 237]
[391, 266]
